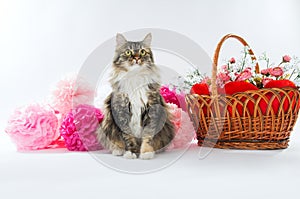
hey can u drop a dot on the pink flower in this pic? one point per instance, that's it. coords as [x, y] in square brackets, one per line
[276, 71]
[266, 80]
[223, 77]
[265, 71]
[286, 58]
[224, 67]
[248, 69]
[32, 127]
[246, 74]
[206, 80]
[232, 60]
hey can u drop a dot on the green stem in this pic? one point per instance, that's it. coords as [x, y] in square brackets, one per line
[244, 60]
[292, 74]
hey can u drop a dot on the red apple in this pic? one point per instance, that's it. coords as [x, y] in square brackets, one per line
[280, 84]
[200, 89]
[276, 103]
[263, 104]
[241, 86]
[221, 91]
[235, 87]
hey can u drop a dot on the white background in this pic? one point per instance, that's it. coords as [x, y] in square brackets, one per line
[41, 41]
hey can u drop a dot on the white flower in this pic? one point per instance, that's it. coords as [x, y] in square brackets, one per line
[297, 82]
[287, 67]
[232, 75]
[234, 67]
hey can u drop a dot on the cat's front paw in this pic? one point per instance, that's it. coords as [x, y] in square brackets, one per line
[129, 155]
[118, 152]
[147, 155]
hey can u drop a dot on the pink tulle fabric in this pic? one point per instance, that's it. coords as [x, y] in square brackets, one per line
[79, 128]
[184, 130]
[69, 92]
[32, 127]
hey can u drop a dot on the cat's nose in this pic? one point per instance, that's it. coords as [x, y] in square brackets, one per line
[136, 58]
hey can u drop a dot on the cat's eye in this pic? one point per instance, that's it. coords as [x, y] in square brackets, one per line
[128, 52]
[142, 52]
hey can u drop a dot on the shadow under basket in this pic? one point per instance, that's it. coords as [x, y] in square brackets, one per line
[252, 120]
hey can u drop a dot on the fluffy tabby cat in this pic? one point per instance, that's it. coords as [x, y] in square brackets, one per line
[137, 121]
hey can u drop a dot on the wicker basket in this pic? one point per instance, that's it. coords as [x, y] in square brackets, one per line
[226, 121]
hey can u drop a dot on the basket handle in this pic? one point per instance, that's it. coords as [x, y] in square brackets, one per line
[216, 58]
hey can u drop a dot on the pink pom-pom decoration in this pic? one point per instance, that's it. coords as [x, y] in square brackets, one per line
[79, 128]
[32, 127]
[184, 130]
[69, 92]
[181, 99]
[169, 95]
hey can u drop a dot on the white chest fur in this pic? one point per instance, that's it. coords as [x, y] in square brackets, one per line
[135, 84]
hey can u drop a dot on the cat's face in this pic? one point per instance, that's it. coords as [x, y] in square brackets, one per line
[129, 53]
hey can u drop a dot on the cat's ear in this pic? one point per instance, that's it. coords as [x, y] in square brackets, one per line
[147, 40]
[120, 40]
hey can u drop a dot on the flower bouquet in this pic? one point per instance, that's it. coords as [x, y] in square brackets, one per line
[243, 106]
